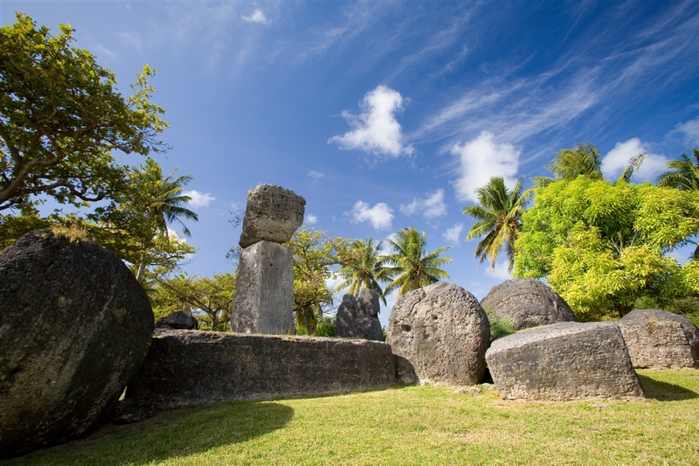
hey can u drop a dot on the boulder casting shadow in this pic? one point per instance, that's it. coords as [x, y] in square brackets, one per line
[175, 433]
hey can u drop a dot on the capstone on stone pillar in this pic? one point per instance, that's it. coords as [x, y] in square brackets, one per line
[264, 295]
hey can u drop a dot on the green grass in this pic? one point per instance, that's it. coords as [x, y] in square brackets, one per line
[411, 425]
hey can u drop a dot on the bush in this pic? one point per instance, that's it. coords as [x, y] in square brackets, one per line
[326, 327]
[498, 327]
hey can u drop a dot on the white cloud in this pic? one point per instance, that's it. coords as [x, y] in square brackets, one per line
[690, 131]
[375, 130]
[316, 175]
[380, 216]
[481, 159]
[500, 271]
[616, 160]
[431, 206]
[453, 234]
[198, 199]
[311, 219]
[257, 16]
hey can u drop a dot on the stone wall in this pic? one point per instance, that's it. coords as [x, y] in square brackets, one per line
[189, 367]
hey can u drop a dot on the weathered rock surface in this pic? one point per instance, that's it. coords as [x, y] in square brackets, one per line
[359, 319]
[564, 361]
[272, 214]
[264, 296]
[443, 332]
[657, 344]
[527, 303]
[189, 367]
[656, 315]
[178, 321]
[74, 327]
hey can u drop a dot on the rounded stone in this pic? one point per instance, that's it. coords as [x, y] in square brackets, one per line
[443, 332]
[75, 325]
[527, 303]
[643, 316]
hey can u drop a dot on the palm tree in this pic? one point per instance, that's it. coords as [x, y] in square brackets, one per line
[499, 219]
[159, 201]
[411, 266]
[684, 173]
[364, 269]
[583, 159]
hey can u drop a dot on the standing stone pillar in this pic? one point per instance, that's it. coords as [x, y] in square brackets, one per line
[264, 295]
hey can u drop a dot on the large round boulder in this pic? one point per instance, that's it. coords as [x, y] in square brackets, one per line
[527, 303]
[75, 326]
[652, 316]
[443, 332]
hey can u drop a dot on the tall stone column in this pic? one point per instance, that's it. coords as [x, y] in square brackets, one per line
[264, 296]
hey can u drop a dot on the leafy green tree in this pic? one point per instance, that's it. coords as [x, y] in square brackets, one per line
[364, 268]
[411, 265]
[498, 218]
[61, 117]
[602, 246]
[314, 252]
[209, 299]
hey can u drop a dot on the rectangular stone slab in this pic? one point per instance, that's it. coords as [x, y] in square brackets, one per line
[264, 292]
[191, 367]
[564, 361]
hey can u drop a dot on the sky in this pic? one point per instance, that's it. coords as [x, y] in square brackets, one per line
[385, 115]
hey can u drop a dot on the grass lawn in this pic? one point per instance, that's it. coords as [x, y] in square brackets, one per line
[411, 425]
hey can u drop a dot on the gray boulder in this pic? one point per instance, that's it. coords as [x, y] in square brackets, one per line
[178, 321]
[359, 319]
[564, 361]
[272, 214]
[76, 326]
[527, 303]
[264, 295]
[443, 332]
[660, 336]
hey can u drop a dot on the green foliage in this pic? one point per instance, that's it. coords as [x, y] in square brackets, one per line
[364, 267]
[313, 253]
[411, 265]
[499, 219]
[683, 173]
[568, 164]
[326, 327]
[498, 327]
[603, 246]
[61, 117]
[209, 299]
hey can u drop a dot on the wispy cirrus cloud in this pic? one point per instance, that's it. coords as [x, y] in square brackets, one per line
[375, 130]
[432, 205]
[256, 16]
[380, 216]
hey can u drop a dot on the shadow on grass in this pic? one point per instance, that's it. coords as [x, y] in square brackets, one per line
[175, 433]
[663, 391]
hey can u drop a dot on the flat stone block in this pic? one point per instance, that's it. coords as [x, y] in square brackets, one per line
[272, 214]
[190, 367]
[264, 297]
[564, 361]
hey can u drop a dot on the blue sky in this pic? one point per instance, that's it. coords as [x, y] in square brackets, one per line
[384, 115]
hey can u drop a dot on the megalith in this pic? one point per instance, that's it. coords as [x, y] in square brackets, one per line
[75, 327]
[264, 294]
[527, 303]
[443, 332]
[660, 339]
[359, 319]
[564, 361]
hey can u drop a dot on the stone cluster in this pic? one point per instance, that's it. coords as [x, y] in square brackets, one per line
[265, 286]
[359, 318]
